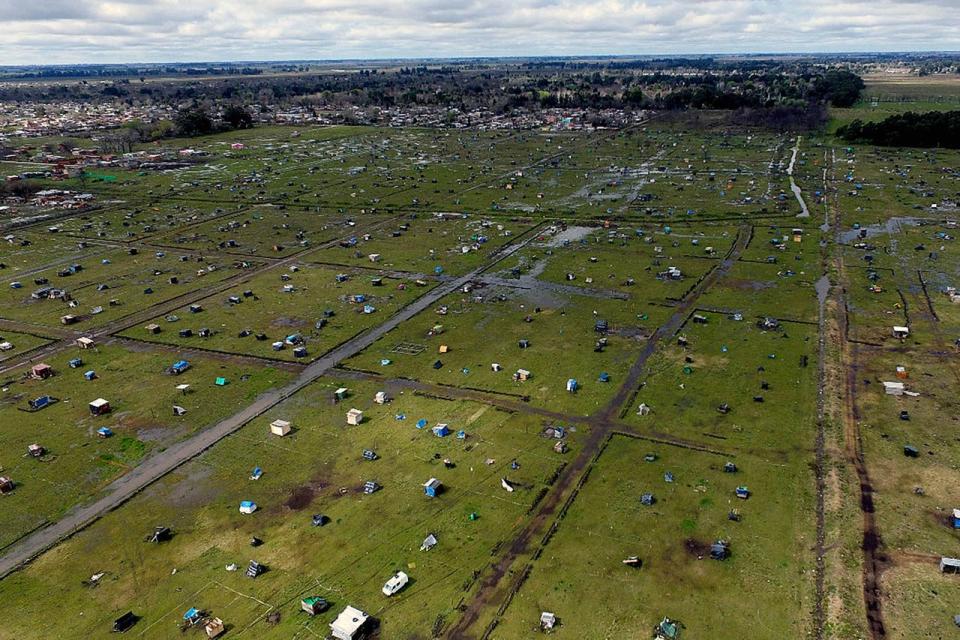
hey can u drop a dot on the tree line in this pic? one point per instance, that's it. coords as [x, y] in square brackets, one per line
[930, 129]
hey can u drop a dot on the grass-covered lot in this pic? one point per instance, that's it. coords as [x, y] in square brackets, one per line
[453, 244]
[316, 469]
[112, 285]
[679, 237]
[581, 572]
[78, 463]
[19, 343]
[277, 313]
[486, 327]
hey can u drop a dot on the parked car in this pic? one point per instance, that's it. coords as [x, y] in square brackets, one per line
[396, 582]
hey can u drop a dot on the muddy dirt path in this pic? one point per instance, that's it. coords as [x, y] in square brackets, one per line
[875, 560]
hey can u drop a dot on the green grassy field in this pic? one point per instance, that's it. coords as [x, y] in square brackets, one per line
[318, 468]
[277, 313]
[606, 213]
[581, 571]
[78, 464]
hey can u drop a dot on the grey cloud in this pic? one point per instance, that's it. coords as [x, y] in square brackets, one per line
[162, 30]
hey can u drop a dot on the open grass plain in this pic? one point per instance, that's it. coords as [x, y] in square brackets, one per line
[602, 345]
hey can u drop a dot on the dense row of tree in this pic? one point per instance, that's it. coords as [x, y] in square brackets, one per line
[931, 129]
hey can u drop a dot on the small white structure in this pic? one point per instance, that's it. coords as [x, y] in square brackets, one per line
[84, 342]
[354, 417]
[949, 565]
[280, 427]
[6, 346]
[381, 397]
[547, 620]
[523, 374]
[506, 485]
[901, 332]
[374, 257]
[893, 388]
[643, 409]
[348, 624]
[496, 366]
[247, 507]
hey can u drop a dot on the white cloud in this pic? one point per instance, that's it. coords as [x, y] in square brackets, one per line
[52, 31]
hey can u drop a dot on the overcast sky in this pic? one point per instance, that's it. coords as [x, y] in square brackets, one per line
[68, 31]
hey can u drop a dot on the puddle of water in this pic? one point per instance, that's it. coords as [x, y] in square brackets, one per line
[891, 226]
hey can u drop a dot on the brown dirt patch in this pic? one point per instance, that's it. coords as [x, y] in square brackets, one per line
[696, 548]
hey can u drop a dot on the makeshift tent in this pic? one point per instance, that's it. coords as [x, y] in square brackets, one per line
[179, 367]
[41, 371]
[432, 487]
[280, 427]
[313, 605]
[99, 407]
[124, 622]
[547, 620]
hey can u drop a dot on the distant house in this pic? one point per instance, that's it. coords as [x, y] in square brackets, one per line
[901, 332]
[354, 417]
[85, 343]
[6, 485]
[248, 507]
[441, 430]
